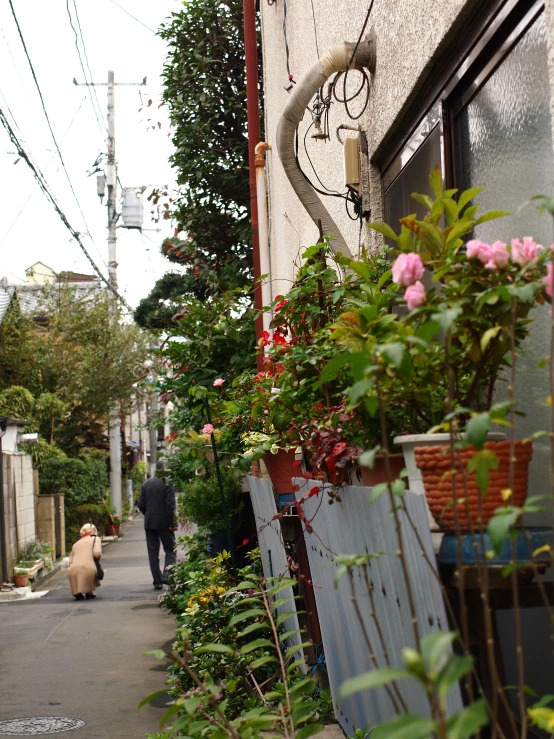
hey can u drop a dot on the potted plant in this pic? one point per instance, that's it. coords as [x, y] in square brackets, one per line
[21, 576]
[450, 342]
[112, 521]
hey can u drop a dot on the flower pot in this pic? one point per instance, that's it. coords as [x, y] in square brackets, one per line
[378, 474]
[411, 442]
[435, 464]
[112, 529]
[281, 469]
[21, 581]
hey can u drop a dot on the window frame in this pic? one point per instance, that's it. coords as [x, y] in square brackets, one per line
[490, 38]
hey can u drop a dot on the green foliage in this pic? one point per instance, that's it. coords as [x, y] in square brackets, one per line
[42, 452]
[90, 513]
[138, 476]
[438, 670]
[201, 502]
[16, 402]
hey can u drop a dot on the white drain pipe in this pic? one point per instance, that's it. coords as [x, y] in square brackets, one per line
[263, 228]
[336, 59]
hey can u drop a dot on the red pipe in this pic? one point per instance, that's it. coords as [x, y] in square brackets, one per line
[253, 121]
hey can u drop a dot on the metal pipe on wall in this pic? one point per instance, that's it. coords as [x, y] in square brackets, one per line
[253, 122]
[263, 230]
[3, 542]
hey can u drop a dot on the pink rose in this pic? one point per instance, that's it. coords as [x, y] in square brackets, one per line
[407, 269]
[524, 253]
[548, 280]
[414, 295]
[208, 429]
[499, 256]
[477, 249]
[219, 382]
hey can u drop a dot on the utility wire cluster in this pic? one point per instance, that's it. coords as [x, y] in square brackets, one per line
[47, 192]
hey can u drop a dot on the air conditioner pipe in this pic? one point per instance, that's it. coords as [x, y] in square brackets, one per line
[263, 229]
[336, 59]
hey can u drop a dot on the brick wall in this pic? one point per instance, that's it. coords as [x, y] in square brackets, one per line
[19, 503]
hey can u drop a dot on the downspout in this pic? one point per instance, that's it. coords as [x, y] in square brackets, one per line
[336, 59]
[253, 122]
[263, 230]
[3, 542]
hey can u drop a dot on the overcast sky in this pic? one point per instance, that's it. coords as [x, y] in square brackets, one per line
[113, 40]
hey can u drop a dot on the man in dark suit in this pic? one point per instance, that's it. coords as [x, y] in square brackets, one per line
[157, 503]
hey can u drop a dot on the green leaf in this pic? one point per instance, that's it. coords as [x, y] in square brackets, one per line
[332, 367]
[399, 488]
[377, 491]
[435, 180]
[456, 668]
[424, 200]
[488, 336]
[461, 228]
[491, 215]
[500, 524]
[467, 722]
[281, 585]
[477, 429]
[261, 661]
[243, 615]
[214, 648]
[394, 352]
[256, 644]
[436, 649]
[310, 730]
[254, 627]
[370, 680]
[171, 711]
[359, 389]
[468, 195]
[306, 686]
[282, 617]
[287, 634]
[481, 463]
[157, 653]
[446, 318]
[406, 726]
[367, 459]
[384, 229]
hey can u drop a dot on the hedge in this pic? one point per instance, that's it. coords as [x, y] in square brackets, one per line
[81, 481]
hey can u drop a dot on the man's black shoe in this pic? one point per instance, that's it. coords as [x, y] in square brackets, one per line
[158, 586]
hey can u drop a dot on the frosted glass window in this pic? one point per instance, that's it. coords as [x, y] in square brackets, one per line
[505, 145]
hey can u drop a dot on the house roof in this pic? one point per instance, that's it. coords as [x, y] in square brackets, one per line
[76, 277]
[6, 294]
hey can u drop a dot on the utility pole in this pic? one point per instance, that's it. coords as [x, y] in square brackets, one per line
[111, 183]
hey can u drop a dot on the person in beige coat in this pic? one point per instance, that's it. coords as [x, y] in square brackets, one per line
[82, 569]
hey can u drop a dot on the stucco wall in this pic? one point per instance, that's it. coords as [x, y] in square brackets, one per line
[411, 34]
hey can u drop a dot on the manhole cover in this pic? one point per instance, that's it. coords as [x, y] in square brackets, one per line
[38, 725]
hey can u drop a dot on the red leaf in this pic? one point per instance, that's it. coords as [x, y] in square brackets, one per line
[297, 463]
[314, 491]
[330, 464]
[339, 448]
[245, 542]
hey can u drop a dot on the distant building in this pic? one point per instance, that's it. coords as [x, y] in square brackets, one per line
[41, 274]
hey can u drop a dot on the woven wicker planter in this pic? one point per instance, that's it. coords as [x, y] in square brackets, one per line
[281, 470]
[435, 465]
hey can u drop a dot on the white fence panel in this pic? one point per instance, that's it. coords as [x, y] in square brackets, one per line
[274, 556]
[355, 527]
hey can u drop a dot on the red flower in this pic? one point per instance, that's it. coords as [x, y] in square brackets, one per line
[314, 491]
[339, 448]
[280, 305]
[280, 367]
[265, 338]
[279, 339]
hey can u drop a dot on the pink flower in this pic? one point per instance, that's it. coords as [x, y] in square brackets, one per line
[548, 280]
[477, 249]
[414, 295]
[407, 269]
[499, 256]
[524, 253]
[219, 382]
[208, 429]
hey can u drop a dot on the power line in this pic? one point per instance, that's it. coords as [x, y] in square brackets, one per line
[88, 67]
[133, 17]
[46, 115]
[315, 30]
[46, 190]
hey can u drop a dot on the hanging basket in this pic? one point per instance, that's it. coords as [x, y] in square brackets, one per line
[435, 466]
[281, 469]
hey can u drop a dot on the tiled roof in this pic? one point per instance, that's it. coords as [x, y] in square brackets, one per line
[6, 295]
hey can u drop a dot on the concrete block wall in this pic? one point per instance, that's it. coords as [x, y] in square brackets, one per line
[19, 503]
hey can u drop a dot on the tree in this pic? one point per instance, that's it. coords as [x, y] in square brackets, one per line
[205, 92]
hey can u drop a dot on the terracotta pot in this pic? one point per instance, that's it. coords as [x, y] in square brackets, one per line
[280, 468]
[112, 529]
[21, 581]
[434, 464]
[378, 474]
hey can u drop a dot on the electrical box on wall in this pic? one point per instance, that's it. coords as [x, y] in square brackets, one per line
[352, 163]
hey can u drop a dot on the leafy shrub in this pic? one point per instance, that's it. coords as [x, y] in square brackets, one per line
[41, 452]
[201, 502]
[91, 513]
[16, 402]
[138, 476]
[81, 481]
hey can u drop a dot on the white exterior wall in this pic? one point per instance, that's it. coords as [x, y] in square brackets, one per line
[411, 37]
[19, 503]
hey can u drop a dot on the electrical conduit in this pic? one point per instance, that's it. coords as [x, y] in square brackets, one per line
[263, 231]
[336, 59]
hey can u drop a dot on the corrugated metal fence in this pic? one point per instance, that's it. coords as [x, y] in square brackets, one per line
[355, 527]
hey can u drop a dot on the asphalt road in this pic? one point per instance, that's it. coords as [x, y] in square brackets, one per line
[83, 659]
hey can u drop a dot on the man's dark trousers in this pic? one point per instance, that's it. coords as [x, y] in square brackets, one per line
[153, 539]
[157, 503]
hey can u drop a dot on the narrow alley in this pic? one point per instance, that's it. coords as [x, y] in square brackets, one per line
[83, 660]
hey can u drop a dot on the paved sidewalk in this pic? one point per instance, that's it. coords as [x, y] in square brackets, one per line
[83, 659]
